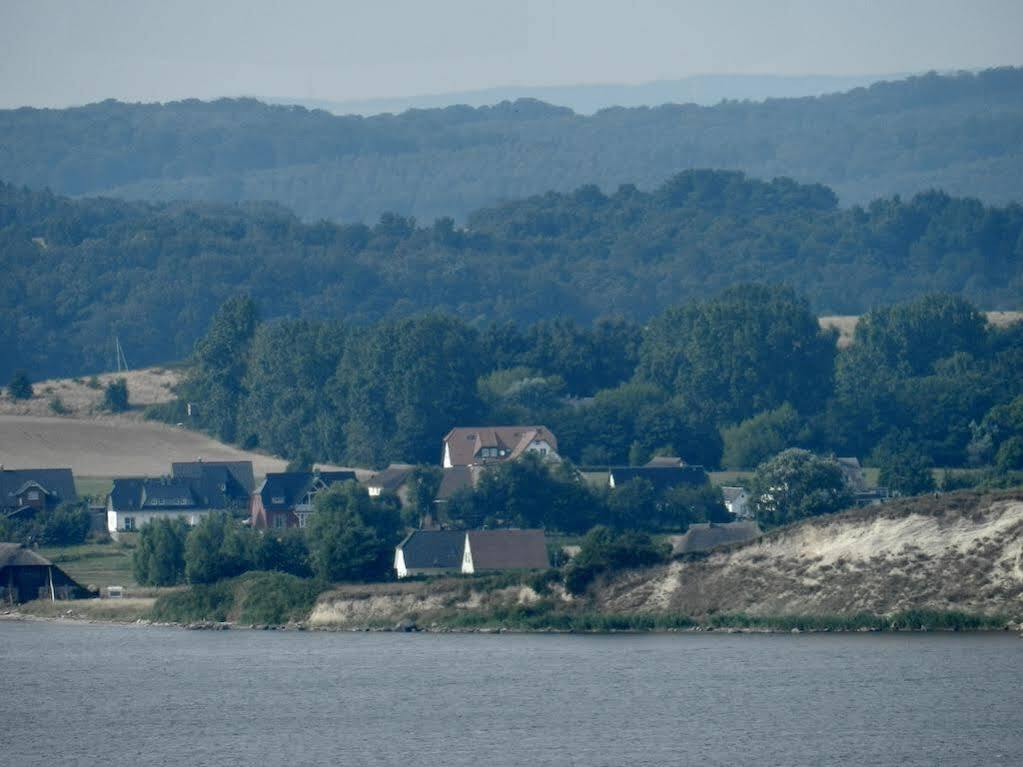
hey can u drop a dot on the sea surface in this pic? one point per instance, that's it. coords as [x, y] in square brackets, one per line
[80, 694]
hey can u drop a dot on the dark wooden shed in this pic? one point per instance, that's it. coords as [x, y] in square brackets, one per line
[25, 575]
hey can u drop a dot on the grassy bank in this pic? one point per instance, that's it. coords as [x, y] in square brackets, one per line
[106, 610]
[94, 564]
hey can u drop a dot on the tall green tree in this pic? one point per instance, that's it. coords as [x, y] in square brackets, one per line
[756, 439]
[904, 468]
[351, 537]
[159, 557]
[286, 407]
[797, 484]
[405, 384]
[751, 349]
[215, 383]
[216, 548]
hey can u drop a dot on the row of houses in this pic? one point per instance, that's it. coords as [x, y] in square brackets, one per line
[441, 552]
[285, 499]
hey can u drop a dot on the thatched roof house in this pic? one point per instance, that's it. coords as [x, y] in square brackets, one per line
[709, 535]
[25, 575]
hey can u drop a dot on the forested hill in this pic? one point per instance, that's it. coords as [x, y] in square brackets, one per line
[79, 272]
[962, 133]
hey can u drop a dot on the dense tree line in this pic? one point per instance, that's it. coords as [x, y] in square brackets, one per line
[732, 380]
[82, 272]
[64, 525]
[351, 537]
[961, 133]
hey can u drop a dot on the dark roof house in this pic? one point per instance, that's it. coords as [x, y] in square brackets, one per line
[35, 489]
[136, 501]
[240, 471]
[285, 499]
[390, 480]
[504, 550]
[425, 552]
[661, 477]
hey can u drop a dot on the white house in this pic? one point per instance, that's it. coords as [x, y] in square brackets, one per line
[736, 501]
[429, 552]
[135, 502]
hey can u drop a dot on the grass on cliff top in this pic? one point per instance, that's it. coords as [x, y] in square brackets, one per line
[126, 610]
[94, 564]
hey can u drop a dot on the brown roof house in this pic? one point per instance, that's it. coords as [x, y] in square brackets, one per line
[24, 576]
[488, 550]
[483, 445]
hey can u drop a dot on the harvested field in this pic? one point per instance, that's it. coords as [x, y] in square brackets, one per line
[113, 447]
[846, 325]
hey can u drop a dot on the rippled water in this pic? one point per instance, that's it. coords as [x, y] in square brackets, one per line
[83, 694]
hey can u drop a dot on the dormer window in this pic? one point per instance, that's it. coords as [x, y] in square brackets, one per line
[33, 495]
[277, 499]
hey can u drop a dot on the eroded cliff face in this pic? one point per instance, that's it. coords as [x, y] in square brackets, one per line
[957, 552]
[427, 604]
[962, 551]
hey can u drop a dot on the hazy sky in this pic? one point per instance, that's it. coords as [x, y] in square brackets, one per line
[59, 53]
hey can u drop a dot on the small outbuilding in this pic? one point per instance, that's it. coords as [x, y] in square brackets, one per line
[25, 575]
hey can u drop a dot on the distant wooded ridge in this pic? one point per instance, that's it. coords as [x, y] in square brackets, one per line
[961, 133]
[77, 273]
[586, 99]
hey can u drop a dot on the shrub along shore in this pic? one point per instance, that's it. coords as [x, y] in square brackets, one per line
[279, 601]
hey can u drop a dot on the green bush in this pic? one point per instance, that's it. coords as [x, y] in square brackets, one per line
[115, 396]
[66, 525]
[159, 557]
[20, 386]
[251, 599]
[202, 602]
[606, 550]
[274, 598]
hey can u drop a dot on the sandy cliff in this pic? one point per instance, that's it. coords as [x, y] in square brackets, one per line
[962, 551]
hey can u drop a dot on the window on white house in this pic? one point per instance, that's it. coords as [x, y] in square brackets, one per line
[302, 519]
[129, 524]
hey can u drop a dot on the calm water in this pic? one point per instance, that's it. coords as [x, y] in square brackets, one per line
[81, 694]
